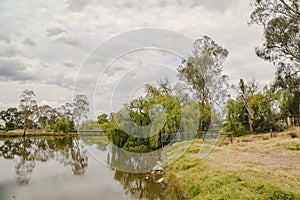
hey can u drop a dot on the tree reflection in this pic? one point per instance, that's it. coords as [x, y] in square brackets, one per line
[66, 150]
[118, 158]
[139, 185]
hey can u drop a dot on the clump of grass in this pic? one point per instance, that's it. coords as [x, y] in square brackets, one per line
[293, 147]
[174, 188]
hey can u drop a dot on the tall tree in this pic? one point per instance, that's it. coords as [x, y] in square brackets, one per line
[246, 92]
[280, 20]
[27, 105]
[81, 109]
[202, 72]
[44, 115]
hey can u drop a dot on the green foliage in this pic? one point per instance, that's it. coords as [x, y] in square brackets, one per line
[102, 118]
[280, 20]
[90, 125]
[202, 73]
[10, 126]
[47, 128]
[265, 108]
[12, 118]
[80, 108]
[149, 122]
[62, 126]
[235, 117]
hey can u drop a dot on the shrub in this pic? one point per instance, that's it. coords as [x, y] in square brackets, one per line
[62, 126]
[47, 128]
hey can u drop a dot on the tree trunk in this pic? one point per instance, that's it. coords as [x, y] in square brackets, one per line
[201, 120]
[24, 133]
[250, 119]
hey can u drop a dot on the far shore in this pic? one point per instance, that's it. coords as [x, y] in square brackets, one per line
[34, 133]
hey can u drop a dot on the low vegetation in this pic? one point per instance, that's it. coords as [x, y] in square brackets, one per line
[252, 167]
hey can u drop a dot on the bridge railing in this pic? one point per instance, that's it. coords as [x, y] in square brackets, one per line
[92, 132]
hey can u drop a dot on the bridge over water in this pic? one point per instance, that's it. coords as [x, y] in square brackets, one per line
[92, 132]
[165, 138]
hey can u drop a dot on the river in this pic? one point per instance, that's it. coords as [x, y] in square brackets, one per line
[66, 168]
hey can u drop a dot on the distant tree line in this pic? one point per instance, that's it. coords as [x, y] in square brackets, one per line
[29, 115]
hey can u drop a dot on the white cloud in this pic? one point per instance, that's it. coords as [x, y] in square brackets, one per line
[29, 42]
[54, 31]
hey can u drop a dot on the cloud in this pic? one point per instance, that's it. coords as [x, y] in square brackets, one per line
[69, 41]
[12, 69]
[70, 65]
[29, 42]
[4, 38]
[77, 5]
[8, 50]
[53, 31]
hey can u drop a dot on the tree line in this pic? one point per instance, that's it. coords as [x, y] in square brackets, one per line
[29, 115]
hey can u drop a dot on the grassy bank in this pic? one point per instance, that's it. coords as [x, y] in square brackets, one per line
[13, 134]
[253, 167]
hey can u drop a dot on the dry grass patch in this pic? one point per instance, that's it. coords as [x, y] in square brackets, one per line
[253, 167]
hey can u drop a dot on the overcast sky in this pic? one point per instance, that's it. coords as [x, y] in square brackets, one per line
[95, 47]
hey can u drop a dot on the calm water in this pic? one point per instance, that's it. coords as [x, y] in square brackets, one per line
[64, 168]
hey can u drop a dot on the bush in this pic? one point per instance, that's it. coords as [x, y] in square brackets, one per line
[9, 126]
[47, 128]
[62, 126]
[2, 128]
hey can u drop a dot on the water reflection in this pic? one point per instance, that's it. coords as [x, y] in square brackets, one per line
[138, 185]
[71, 152]
[27, 152]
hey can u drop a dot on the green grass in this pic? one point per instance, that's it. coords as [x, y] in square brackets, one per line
[215, 177]
[293, 147]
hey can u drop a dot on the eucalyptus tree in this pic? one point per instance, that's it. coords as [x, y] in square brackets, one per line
[246, 93]
[81, 109]
[280, 20]
[202, 73]
[27, 107]
[44, 115]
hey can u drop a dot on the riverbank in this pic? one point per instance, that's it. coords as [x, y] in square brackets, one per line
[252, 167]
[15, 134]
